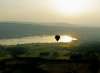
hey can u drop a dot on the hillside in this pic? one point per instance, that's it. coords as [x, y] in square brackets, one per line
[17, 29]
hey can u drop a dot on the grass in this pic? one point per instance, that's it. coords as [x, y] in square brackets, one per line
[50, 57]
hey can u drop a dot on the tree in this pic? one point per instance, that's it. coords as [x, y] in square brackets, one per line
[76, 57]
[17, 50]
[44, 54]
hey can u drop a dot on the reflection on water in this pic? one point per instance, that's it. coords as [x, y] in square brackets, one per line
[66, 38]
[35, 39]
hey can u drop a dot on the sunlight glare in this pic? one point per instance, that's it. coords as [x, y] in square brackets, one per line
[71, 7]
[66, 39]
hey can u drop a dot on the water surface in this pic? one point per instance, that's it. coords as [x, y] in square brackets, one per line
[31, 39]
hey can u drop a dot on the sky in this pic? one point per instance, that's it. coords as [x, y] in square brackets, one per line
[82, 12]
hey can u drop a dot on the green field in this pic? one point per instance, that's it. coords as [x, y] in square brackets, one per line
[50, 58]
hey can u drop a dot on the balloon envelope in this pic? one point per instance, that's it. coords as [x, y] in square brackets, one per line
[57, 37]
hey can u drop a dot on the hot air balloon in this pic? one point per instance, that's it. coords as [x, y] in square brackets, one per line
[57, 37]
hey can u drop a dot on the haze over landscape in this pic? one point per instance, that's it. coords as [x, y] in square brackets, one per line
[76, 18]
[77, 12]
[49, 36]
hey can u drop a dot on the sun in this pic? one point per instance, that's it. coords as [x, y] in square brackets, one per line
[71, 7]
[66, 39]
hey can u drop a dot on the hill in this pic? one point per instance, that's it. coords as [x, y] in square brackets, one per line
[19, 29]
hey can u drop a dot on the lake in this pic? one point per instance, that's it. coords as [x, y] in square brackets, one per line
[36, 39]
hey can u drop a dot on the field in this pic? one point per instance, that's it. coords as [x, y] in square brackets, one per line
[50, 58]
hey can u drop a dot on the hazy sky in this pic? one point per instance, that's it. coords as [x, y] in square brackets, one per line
[67, 11]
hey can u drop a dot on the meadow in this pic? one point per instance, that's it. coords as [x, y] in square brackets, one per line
[50, 58]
